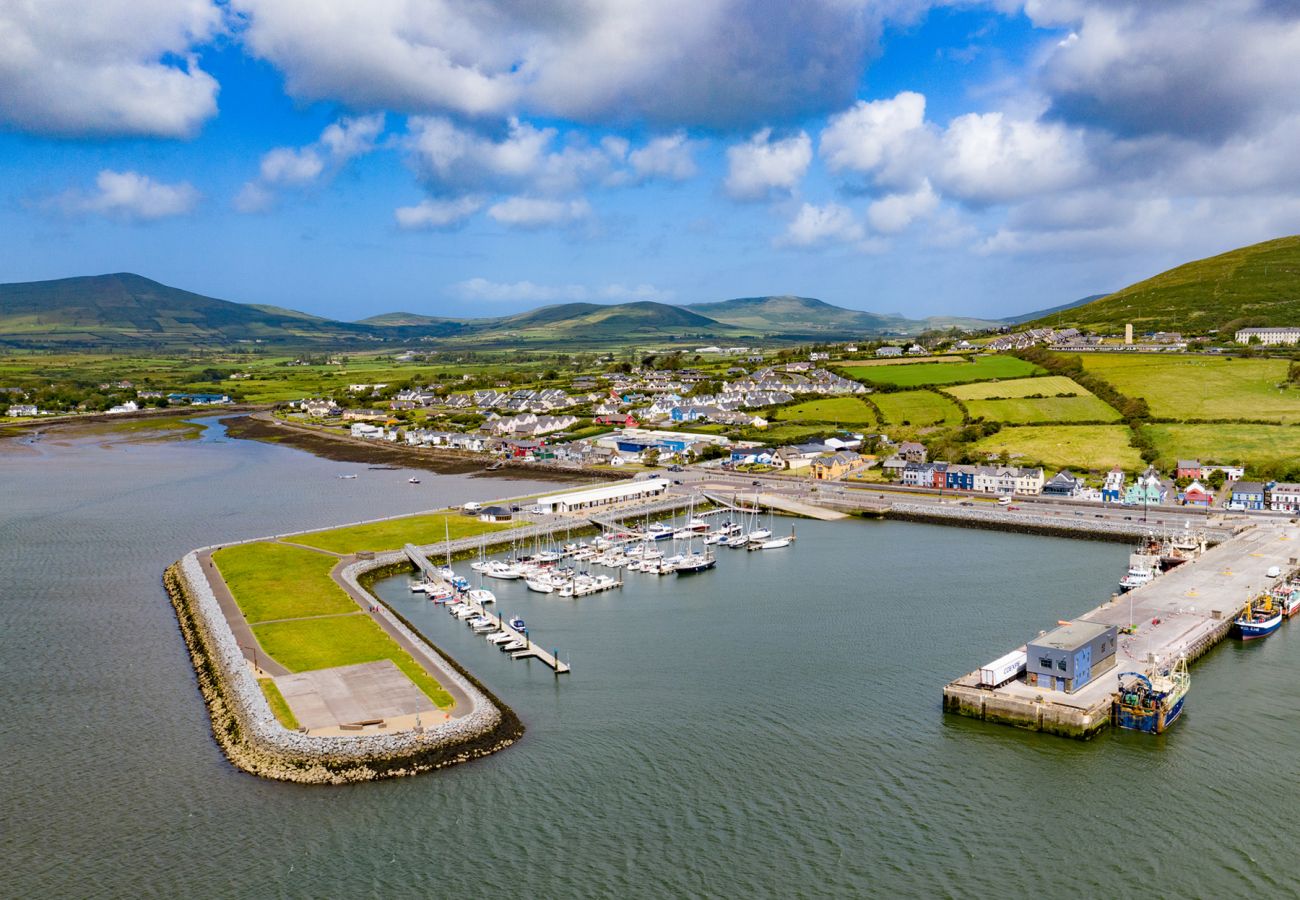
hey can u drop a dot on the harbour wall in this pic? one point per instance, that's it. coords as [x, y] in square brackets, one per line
[253, 739]
[1000, 519]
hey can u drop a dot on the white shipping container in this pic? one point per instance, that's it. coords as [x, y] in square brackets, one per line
[1003, 669]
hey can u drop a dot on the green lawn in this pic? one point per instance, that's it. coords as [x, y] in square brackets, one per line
[1201, 387]
[781, 433]
[309, 644]
[1045, 386]
[1095, 447]
[917, 408]
[845, 411]
[276, 581]
[1025, 411]
[1269, 448]
[279, 705]
[917, 374]
[395, 533]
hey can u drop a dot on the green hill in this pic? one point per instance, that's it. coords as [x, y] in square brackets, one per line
[125, 310]
[1255, 285]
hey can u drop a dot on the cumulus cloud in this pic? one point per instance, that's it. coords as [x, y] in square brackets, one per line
[297, 167]
[716, 63]
[108, 68]
[814, 225]
[538, 212]
[886, 139]
[668, 157]
[437, 214]
[130, 197]
[991, 158]
[530, 292]
[894, 213]
[761, 166]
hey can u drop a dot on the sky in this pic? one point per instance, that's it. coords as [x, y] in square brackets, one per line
[461, 158]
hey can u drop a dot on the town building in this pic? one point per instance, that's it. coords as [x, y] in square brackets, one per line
[1112, 489]
[1062, 484]
[1246, 495]
[1284, 496]
[836, 465]
[1197, 494]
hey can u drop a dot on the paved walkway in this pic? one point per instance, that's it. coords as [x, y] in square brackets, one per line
[243, 632]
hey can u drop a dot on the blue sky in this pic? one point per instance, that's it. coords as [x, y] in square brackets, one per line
[476, 159]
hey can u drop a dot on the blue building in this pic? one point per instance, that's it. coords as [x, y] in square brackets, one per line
[960, 477]
[1247, 495]
[1069, 657]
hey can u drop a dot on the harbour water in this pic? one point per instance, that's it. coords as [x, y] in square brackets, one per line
[771, 727]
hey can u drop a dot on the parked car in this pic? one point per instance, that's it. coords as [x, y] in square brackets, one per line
[675, 468]
[1013, 509]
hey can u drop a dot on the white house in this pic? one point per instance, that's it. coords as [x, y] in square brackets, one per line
[128, 406]
[1290, 335]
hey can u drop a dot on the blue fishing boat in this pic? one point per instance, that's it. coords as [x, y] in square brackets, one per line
[1259, 618]
[1151, 703]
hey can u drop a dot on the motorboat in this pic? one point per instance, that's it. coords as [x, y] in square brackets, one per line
[659, 532]
[412, 480]
[346, 477]
[439, 592]
[504, 571]
[517, 624]
[418, 587]
[501, 637]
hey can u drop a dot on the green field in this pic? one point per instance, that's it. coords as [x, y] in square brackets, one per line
[1260, 448]
[917, 408]
[1202, 387]
[276, 581]
[845, 411]
[278, 704]
[393, 534]
[309, 644]
[1095, 447]
[1026, 411]
[1043, 386]
[980, 369]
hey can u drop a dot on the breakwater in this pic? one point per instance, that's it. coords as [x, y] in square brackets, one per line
[253, 739]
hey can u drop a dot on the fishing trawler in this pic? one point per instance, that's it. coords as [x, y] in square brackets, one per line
[1286, 596]
[1151, 703]
[1259, 618]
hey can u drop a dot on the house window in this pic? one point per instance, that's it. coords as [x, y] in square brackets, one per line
[1045, 662]
[1060, 664]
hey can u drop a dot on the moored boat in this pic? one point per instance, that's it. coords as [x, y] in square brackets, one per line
[1135, 578]
[1151, 703]
[1259, 618]
[1287, 597]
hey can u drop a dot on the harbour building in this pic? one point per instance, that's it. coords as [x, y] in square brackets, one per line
[1069, 657]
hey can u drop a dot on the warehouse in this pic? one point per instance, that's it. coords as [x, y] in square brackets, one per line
[1067, 658]
[601, 496]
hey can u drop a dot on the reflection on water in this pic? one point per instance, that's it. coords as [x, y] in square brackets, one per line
[772, 727]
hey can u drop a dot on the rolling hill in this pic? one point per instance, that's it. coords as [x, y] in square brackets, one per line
[1255, 285]
[126, 311]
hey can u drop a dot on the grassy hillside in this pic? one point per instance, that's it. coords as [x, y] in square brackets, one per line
[1255, 285]
[125, 310]
[1051, 311]
[813, 318]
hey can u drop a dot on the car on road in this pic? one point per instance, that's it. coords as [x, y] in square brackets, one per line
[966, 503]
[675, 468]
[1013, 509]
[756, 483]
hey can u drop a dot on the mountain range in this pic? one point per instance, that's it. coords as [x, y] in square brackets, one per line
[125, 310]
[1255, 285]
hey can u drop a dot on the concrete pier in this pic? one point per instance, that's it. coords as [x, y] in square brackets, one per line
[1184, 612]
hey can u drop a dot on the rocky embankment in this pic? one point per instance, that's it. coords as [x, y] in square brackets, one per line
[253, 739]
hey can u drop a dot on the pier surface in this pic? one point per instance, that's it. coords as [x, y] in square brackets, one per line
[1186, 611]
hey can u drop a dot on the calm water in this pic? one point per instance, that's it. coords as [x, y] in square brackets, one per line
[772, 727]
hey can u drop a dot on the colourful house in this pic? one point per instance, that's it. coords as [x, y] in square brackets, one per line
[1197, 494]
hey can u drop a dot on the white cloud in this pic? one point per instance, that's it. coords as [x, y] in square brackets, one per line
[291, 166]
[761, 166]
[990, 158]
[814, 225]
[437, 214]
[728, 63]
[112, 67]
[894, 213]
[530, 292]
[298, 167]
[537, 212]
[888, 139]
[667, 157]
[132, 197]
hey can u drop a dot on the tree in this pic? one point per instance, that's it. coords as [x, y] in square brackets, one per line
[1216, 479]
[650, 457]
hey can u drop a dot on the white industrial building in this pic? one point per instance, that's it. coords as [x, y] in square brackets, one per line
[605, 495]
